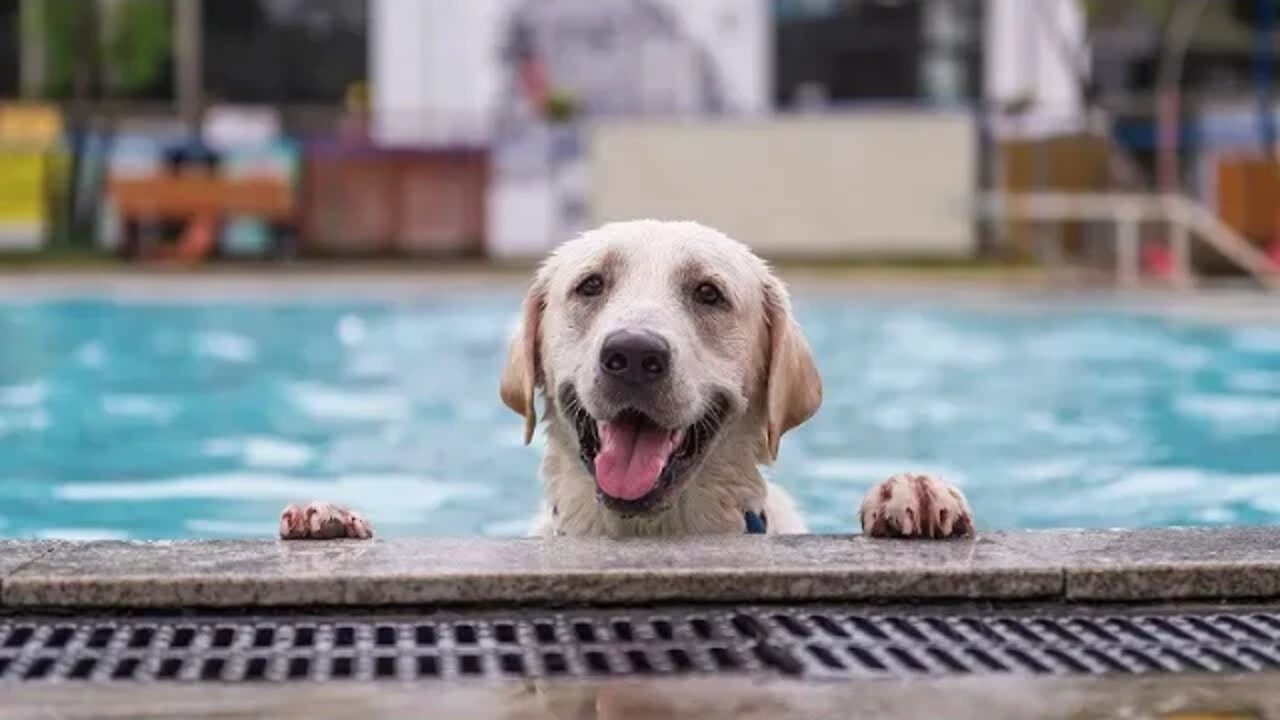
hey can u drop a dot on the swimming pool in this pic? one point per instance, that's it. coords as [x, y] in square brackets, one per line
[157, 420]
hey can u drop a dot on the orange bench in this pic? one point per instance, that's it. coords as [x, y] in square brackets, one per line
[202, 202]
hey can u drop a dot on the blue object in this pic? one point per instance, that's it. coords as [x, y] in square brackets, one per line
[189, 418]
[1265, 70]
[756, 523]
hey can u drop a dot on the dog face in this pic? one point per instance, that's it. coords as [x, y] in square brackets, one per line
[659, 345]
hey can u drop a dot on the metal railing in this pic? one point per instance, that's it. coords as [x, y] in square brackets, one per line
[1186, 219]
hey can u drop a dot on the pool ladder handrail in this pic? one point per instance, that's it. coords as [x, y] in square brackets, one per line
[1185, 217]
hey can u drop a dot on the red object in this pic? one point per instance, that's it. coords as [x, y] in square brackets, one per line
[533, 76]
[1273, 252]
[360, 199]
[1158, 260]
[197, 243]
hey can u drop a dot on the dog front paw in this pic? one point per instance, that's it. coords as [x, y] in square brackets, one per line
[322, 521]
[916, 506]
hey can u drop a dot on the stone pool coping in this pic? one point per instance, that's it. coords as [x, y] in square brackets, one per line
[1073, 566]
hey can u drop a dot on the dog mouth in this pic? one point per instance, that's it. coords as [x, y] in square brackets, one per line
[635, 461]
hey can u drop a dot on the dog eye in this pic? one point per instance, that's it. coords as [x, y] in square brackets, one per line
[591, 285]
[708, 294]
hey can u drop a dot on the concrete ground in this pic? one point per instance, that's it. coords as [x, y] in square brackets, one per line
[1252, 697]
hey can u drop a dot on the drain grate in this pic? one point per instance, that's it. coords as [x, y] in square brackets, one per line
[811, 641]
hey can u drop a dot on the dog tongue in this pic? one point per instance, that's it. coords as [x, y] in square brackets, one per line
[632, 455]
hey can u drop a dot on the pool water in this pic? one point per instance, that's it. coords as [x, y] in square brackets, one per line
[152, 420]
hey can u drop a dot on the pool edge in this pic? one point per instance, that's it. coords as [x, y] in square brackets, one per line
[1078, 566]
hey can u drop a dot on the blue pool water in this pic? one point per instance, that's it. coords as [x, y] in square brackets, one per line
[153, 420]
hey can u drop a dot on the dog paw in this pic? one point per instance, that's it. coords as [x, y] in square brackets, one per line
[916, 506]
[322, 521]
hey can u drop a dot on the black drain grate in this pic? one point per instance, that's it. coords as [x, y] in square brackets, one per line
[811, 641]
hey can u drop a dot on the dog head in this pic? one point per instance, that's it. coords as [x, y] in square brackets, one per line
[658, 344]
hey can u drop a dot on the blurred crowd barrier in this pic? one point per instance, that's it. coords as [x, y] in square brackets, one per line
[890, 182]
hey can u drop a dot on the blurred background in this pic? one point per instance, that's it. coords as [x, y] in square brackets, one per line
[1106, 142]
[494, 128]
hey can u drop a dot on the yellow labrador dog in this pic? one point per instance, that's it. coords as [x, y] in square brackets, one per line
[670, 367]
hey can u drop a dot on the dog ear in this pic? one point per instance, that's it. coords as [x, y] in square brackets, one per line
[794, 387]
[523, 372]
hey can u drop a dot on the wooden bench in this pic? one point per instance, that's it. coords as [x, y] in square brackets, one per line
[202, 203]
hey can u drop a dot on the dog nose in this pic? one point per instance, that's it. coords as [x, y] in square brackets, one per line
[637, 357]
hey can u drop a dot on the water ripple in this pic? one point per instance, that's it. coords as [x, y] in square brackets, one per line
[158, 421]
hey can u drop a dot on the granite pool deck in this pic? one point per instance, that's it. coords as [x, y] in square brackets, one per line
[1069, 566]
[1167, 566]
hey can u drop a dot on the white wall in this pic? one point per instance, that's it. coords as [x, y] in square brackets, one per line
[859, 185]
[431, 69]
[739, 35]
[1030, 49]
[436, 76]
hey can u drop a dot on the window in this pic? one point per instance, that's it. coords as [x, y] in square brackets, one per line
[10, 48]
[284, 50]
[849, 50]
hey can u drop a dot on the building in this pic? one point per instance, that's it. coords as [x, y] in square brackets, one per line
[244, 51]
[518, 78]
